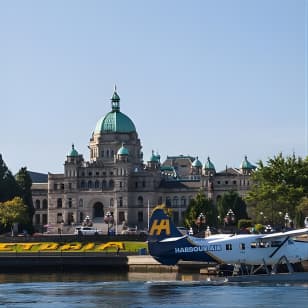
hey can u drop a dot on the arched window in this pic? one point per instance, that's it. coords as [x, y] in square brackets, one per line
[37, 204]
[59, 203]
[111, 184]
[121, 201]
[45, 204]
[80, 203]
[89, 184]
[168, 201]
[183, 201]
[104, 184]
[96, 185]
[82, 184]
[80, 217]
[175, 201]
[111, 202]
[140, 201]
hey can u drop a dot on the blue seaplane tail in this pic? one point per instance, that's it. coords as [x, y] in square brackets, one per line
[168, 245]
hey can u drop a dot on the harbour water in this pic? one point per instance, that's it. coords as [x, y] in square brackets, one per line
[142, 290]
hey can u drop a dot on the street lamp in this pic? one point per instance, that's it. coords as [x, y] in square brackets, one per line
[286, 220]
[200, 220]
[108, 218]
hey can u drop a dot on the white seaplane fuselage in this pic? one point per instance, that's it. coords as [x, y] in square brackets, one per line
[254, 249]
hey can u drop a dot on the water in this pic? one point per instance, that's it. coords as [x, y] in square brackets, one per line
[142, 290]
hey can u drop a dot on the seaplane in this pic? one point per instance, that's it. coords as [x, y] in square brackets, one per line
[254, 251]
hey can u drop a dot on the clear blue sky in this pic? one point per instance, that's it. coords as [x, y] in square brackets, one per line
[215, 78]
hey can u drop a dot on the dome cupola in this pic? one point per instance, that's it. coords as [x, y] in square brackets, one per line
[73, 152]
[209, 165]
[115, 121]
[123, 151]
[197, 163]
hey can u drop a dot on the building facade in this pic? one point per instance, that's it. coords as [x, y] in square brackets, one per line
[118, 181]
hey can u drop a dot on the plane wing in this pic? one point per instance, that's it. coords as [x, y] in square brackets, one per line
[284, 234]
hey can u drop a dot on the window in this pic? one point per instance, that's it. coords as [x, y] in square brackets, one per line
[228, 246]
[160, 200]
[242, 246]
[121, 217]
[102, 153]
[218, 182]
[111, 184]
[143, 184]
[97, 173]
[59, 203]
[59, 218]
[107, 153]
[89, 184]
[96, 185]
[136, 184]
[111, 202]
[62, 186]
[45, 204]
[120, 184]
[112, 153]
[183, 201]
[175, 201]
[140, 201]
[80, 203]
[168, 201]
[37, 204]
[121, 201]
[90, 173]
[70, 185]
[140, 216]
[55, 186]
[226, 182]
[70, 203]
[234, 182]
[82, 184]
[80, 217]
[37, 219]
[104, 184]
[44, 219]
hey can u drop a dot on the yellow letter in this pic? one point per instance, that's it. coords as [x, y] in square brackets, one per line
[159, 227]
[6, 246]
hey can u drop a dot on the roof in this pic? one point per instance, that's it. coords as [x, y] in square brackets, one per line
[37, 177]
[197, 163]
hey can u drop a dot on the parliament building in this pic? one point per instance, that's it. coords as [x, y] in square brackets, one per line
[119, 180]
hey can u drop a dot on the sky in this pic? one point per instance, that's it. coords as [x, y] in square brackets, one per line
[219, 79]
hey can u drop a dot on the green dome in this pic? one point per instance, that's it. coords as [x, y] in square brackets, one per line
[73, 152]
[209, 165]
[115, 121]
[123, 151]
[246, 164]
[197, 163]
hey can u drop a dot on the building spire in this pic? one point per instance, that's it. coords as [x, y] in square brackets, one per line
[115, 100]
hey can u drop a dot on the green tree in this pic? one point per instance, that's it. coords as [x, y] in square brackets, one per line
[13, 211]
[232, 200]
[301, 211]
[24, 181]
[278, 188]
[8, 186]
[200, 204]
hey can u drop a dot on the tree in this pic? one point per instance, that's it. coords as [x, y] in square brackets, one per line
[8, 186]
[278, 188]
[232, 200]
[13, 211]
[24, 181]
[200, 204]
[301, 211]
